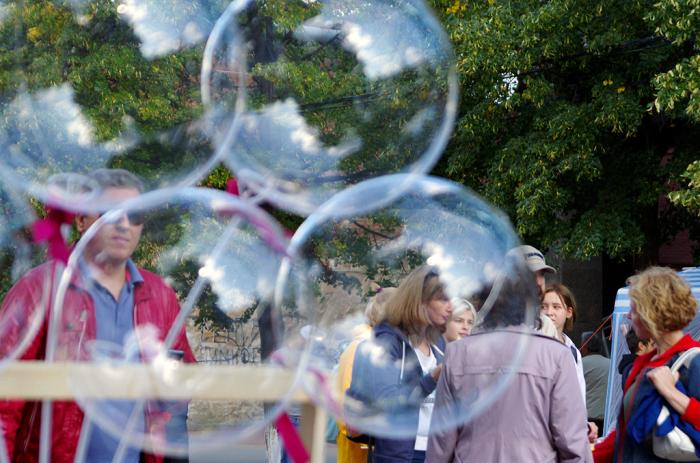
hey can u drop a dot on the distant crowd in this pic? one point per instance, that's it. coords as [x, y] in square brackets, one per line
[551, 401]
[489, 378]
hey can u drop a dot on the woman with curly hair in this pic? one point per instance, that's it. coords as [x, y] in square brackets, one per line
[661, 305]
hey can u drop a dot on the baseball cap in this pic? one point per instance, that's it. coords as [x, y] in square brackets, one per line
[535, 259]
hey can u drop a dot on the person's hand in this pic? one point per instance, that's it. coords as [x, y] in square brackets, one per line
[665, 382]
[663, 379]
[436, 372]
[592, 432]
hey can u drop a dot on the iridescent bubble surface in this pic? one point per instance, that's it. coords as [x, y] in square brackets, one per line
[24, 306]
[207, 266]
[337, 92]
[436, 243]
[88, 84]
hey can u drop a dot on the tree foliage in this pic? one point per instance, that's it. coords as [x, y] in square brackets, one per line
[577, 117]
[678, 89]
[689, 196]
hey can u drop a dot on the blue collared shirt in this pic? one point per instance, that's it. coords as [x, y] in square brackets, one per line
[114, 322]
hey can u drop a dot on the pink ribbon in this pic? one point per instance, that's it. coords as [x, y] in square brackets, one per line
[291, 439]
[232, 186]
[325, 389]
[285, 428]
[48, 230]
[266, 233]
[269, 236]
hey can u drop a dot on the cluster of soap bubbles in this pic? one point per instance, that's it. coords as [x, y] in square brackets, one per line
[329, 109]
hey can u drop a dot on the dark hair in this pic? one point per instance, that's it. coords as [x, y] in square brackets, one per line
[633, 341]
[594, 344]
[117, 178]
[567, 299]
[516, 303]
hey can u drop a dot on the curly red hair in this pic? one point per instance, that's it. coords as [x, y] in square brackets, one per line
[663, 300]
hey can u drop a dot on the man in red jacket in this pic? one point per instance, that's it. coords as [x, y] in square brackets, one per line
[107, 298]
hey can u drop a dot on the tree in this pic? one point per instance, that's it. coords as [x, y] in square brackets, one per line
[689, 196]
[97, 95]
[571, 119]
[575, 119]
[678, 89]
[339, 92]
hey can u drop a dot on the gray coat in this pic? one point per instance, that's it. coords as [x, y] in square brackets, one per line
[539, 416]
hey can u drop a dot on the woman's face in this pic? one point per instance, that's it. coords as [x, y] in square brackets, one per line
[554, 308]
[439, 311]
[459, 327]
[638, 325]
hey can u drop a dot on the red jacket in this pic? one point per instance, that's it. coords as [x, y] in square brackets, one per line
[155, 303]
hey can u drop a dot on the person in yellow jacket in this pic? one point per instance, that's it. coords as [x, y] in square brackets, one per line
[349, 451]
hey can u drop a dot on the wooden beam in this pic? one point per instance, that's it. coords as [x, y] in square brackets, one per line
[313, 431]
[35, 380]
[169, 380]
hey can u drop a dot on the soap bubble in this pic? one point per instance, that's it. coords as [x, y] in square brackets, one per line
[337, 92]
[436, 242]
[219, 257]
[24, 305]
[89, 84]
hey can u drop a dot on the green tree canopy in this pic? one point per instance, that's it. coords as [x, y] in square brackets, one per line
[574, 118]
[577, 117]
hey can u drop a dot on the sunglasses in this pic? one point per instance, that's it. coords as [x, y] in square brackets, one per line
[134, 218]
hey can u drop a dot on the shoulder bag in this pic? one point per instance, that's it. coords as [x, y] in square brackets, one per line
[676, 445]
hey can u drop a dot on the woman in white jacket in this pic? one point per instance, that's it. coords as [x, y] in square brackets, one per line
[559, 305]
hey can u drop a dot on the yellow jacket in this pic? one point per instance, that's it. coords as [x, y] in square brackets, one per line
[349, 451]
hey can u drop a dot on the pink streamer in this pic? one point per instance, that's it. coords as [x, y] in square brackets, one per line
[291, 439]
[49, 230]
[266, 233]
[232, 187]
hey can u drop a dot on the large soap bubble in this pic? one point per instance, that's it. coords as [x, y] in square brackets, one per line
[100, 83]
[23, 305]
[441, 246]
[338, 92]
[221, 257]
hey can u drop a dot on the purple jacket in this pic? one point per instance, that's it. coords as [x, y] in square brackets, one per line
[538, 417]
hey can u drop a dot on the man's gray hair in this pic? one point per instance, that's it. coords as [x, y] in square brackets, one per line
[117, 178]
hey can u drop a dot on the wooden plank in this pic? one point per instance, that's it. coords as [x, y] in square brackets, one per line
[34, 380]
[313, 431]
[171, 380]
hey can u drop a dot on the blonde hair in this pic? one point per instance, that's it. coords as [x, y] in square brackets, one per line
[567, 298]
[374, 311]
[461, 306]
[664, 302]
[406, 308]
